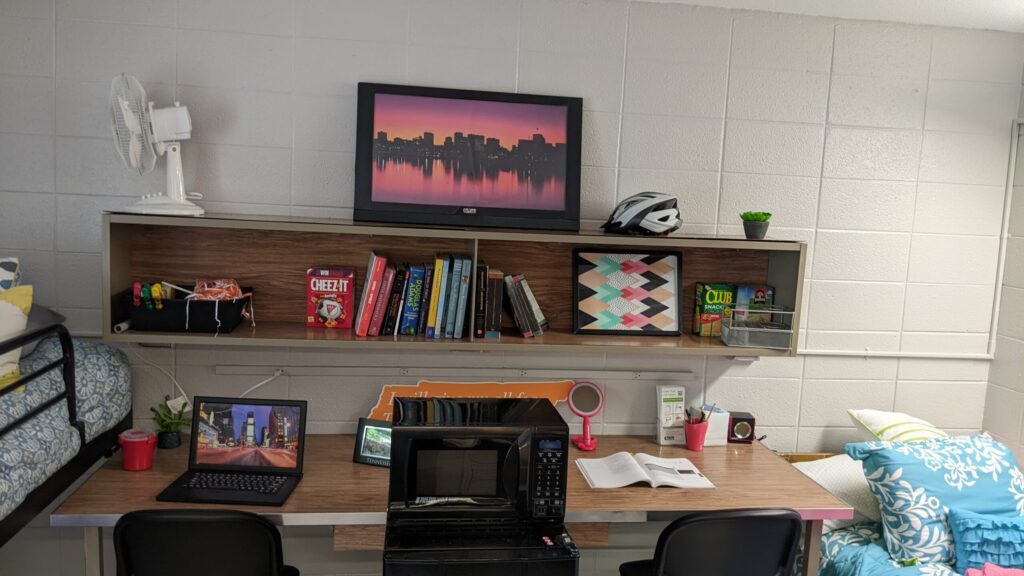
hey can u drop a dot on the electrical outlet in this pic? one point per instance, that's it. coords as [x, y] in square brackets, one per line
[178, 404]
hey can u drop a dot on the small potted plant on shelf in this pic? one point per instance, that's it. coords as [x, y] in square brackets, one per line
[755, 224]
[169, 424]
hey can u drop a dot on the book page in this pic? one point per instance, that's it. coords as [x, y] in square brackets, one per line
[615, 471]
[678, 472]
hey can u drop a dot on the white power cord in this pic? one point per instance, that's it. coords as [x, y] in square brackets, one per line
[160, 368]
[277, 373]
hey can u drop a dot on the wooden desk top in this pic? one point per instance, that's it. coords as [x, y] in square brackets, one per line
[335, 491]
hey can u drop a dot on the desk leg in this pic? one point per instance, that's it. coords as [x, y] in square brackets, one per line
[812, 547]
[93, 551]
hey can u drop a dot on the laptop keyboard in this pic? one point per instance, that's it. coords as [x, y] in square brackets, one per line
[257, 483]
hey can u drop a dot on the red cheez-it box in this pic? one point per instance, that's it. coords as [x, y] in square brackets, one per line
[329, 295]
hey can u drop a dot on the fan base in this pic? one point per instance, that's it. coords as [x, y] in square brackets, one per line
[165, 206]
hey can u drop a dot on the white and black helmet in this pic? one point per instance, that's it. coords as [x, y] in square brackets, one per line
[650, 213]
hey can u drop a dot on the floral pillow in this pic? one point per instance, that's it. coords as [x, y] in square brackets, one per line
[916, 484]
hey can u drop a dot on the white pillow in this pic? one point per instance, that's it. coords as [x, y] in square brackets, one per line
[893, 426]
[14, 306]
[844, 478]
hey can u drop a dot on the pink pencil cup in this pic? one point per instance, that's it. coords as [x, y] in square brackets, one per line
[695, 434]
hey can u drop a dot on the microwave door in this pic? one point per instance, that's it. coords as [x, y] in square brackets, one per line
[483, 473]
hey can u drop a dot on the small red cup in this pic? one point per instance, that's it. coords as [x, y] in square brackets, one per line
[138, 447]
[695, 434]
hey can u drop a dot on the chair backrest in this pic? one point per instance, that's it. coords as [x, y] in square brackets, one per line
[729, 543]
[180, 542]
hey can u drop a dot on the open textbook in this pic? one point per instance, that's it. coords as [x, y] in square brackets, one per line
[622, 469]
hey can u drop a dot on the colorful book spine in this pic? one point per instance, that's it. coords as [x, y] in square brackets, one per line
[495, 288]
[435, 295]
[454, 286]
[374, 274]
[480, 302]
[365, 291]
[380, 307]
[428, 285]
[442, 294]
[531, 301]
[460, 313]
[413, 296]
[394, 303]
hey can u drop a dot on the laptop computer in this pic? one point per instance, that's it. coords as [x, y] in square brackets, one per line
[242, 451]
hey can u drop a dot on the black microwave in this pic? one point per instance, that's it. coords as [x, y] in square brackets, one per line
[477, 459]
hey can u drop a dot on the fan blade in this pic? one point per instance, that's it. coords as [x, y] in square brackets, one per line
[129, 117]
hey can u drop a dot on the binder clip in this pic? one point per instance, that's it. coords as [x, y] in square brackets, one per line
[147, 296]
[157, 293]
[137, 294]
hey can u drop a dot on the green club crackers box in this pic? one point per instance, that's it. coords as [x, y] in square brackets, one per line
[712, 301]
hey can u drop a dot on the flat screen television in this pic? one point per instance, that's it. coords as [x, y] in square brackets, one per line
[467, 158]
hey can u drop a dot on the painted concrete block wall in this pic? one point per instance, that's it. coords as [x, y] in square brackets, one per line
[883, 146]
[1004, 403]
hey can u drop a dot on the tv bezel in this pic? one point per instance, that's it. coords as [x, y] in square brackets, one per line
[366, 209]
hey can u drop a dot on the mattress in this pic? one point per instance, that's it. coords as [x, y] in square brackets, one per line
[859, 550]
[36, 450]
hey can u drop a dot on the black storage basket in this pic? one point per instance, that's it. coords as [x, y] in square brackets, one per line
[181, 315]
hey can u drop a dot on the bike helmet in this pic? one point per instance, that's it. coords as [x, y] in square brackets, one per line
[649, 213]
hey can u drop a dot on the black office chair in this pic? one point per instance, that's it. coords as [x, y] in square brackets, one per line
[180, 542]
[724, 543]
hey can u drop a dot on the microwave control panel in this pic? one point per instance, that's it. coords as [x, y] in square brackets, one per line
[549, 472]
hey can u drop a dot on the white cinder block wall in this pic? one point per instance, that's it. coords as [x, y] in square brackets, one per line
[1004, 403]
[884, 146]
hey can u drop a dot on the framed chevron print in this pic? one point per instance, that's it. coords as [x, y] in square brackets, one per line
[627, 293]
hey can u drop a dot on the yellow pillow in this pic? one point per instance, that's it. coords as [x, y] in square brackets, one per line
[14, 306]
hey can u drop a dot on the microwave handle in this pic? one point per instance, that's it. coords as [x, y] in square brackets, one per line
[511, 470]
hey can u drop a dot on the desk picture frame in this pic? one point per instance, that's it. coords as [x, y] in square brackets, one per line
[373, 443]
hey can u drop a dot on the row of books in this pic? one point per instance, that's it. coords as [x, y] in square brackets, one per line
[427, 299]
[431, 300]
[495, 290]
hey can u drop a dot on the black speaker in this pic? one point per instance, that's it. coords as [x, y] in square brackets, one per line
[741, 427]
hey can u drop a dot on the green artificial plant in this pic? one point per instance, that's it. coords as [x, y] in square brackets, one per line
[168, 420]
[756, 216]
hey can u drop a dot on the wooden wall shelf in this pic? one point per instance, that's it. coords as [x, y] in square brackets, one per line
[272, 255]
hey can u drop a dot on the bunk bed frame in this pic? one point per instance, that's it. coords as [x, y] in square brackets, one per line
[89, 453]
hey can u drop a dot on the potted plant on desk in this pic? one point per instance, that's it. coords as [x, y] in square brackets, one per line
[755, 224]
[169, 424]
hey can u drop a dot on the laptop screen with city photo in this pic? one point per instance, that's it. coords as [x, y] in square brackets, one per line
[233, 434]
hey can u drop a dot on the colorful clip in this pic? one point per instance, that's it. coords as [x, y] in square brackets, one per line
[157, 294]
[137, 294]
[147, 296]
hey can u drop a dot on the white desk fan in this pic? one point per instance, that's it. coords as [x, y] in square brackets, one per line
[140, 133]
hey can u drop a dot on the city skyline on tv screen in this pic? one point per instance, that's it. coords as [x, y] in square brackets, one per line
[469, 153]
[253, 435]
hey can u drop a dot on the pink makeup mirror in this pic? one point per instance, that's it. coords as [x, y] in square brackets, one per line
[585, 400]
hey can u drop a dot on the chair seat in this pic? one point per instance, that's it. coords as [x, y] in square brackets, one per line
[637, 568]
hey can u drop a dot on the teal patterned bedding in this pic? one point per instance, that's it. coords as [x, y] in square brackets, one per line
[860, 551]
[36, 450]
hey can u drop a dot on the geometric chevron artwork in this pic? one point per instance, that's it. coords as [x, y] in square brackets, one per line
[627, 293]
